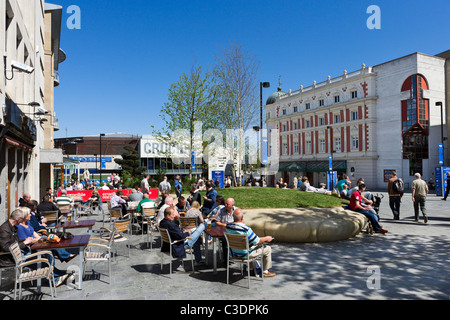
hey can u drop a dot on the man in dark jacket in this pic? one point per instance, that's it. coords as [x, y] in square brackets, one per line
[8, 235]
[179, 249]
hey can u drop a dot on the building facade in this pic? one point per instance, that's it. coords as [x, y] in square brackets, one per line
[24, 95]
[371, 121]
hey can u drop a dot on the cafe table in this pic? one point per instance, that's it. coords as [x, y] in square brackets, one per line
[77, 224]
[215, 233]
[78, 241]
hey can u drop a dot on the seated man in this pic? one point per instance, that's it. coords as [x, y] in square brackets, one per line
[179, 249]
[168, 203]
[24, 200]
[8, 235]
[357, 205]
[47, 205]
[118, 202]
[239, 227]
[182, 205]
[145, 203]
[162, 201]
[209, 199]
[365, 196]
[64, 199]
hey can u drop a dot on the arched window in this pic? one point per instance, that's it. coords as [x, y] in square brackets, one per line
[415, 123]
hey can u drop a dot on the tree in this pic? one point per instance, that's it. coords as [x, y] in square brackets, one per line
[130, 164]
[236, 73]
[191, 101]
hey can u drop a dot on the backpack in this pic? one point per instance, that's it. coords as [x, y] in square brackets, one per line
[398, 186]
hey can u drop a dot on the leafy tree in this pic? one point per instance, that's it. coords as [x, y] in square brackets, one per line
[191, 101]
[131, 170]
[236, 75]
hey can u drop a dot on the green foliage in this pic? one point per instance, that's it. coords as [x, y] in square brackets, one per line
[256, 197]
[132, 172]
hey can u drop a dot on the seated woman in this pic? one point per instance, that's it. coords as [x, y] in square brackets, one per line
[220, 201]
[36, 220]
[95, 199]
[194, 212]
[25, 230]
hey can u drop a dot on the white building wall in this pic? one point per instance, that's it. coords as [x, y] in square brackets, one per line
[390, 78]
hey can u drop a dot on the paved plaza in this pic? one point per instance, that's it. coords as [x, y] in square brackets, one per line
[410, 262]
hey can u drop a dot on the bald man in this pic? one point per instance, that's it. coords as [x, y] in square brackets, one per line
[239, 227]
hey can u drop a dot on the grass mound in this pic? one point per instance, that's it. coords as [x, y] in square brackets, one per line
[255, 197]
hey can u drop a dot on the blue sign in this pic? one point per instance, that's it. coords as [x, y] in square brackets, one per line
[441, 154]
[440, 175]
[331, 179]
[330, 163]
[219, 175]
[103, 164]
[193, 161]
[265, 151]
[91, 159]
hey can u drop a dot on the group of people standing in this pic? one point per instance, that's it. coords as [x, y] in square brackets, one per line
[362, 201]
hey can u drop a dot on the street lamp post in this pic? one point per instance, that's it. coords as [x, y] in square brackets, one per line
[96, 168]
[440, 104]
[101, 135]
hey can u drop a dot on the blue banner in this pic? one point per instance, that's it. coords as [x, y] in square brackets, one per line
[265, 151]
[194, 167]
[441, 154]
[331, 179]
[219, 175]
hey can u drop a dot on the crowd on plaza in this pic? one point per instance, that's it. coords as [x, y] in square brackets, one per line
[26, 225]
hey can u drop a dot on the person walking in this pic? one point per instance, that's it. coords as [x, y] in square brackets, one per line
[448, 187]
[395, 191]
[419, 196]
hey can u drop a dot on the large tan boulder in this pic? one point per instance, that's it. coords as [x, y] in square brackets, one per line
[305, 225]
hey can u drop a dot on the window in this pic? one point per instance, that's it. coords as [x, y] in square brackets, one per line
[321, 102]
[295, 109]
[321, 121]
[354, 115]
[337, 99]
[337, 118]
[354, 94]
[322, 145]
[284, 112]
[308, 106]
[337, 144]
[284, 128]
[308, 123]
[295, 147]
[355, 143]
[415, 123]
[295, 125]
[308, 146]
[285, 148]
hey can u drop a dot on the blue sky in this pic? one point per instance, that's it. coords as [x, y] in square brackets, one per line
[122, 61]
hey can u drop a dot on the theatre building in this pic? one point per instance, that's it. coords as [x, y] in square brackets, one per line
[371, 121]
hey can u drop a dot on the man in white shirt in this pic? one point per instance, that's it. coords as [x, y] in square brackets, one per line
[144, 184]
[164, 185]
[168, 203]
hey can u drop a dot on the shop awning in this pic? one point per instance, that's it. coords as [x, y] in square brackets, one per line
[312, 166]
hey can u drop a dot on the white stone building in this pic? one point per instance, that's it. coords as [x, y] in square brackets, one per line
[372, 120]
[29, 46]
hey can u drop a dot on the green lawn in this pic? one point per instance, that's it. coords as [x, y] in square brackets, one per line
[254, 197]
